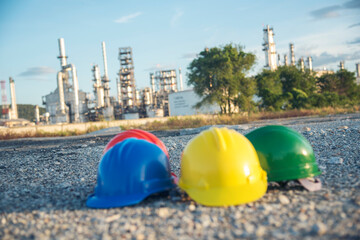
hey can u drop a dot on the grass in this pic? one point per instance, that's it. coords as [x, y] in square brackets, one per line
[235, 119]
[6, 135]
[194, 122]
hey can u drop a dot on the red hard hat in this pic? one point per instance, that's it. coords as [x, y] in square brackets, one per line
[139, 134]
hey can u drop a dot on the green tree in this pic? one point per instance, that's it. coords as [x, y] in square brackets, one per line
[269, 88]
[343, 84]
[218, 75]
[285, 88]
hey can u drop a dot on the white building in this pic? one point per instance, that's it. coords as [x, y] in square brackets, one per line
[182, 103]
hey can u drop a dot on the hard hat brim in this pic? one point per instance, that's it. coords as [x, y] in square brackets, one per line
[227, 196]
[303, 171]
[158, 186]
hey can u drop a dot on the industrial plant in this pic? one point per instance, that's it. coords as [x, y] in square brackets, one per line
[68, 104]
[273, 60]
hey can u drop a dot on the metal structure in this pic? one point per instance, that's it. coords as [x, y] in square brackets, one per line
[14, 111]
[162, 83]
[180, 80]
[102, 107]
[286, 63]
[279, 60]
[166, 80]
[292, 54]
[302, 64]
[118, 88]
[37, 114]
[269, 48]
[98, 87]
[127, 80]
[67, 103]
[358, 73]
[342, 65]
[309, 61]
[4, 104]
[105, 78]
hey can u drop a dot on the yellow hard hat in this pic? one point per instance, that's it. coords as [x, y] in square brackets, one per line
[220, 167]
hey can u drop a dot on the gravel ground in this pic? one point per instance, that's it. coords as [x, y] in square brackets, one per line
[44, 184]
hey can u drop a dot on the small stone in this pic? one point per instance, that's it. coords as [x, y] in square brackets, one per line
[307, 129]
[140, 236]
[260, 232]
[302, 217]
[319, 228]
[283, 199]
[343, 127]
[112, 218]
[335, 160]
[3, 221]
[163, 212]
[249, 228]
[192, 207]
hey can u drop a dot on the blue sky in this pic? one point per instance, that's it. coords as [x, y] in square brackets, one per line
[163, 35]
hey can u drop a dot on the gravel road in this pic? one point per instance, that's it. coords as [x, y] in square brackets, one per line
[44, 184]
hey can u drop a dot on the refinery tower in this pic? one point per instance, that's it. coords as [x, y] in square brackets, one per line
[269, 49]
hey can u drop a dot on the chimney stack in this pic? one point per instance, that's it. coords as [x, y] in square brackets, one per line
[14, 111]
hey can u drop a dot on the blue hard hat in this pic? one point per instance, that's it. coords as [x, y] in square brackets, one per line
[129, 172]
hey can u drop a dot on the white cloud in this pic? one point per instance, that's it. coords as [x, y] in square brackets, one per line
[175, 18]
[189, 56]
[126, 19]
[37, 71]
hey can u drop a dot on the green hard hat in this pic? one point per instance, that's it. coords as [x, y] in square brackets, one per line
[283, 153]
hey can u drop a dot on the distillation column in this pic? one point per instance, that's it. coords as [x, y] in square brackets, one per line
[286, 60]
[105, 79]
[98, 88]
[126, 78]
[292, 55]
[180, 80]
[118, 86]
[302, 65]
[342, 65]
[269, 48]
[14, 111]
[61, 92]
[309, 61]
[63, 78]
[358, 73]
[37, 114]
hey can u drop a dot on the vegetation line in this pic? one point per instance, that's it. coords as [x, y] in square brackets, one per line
[194, 121]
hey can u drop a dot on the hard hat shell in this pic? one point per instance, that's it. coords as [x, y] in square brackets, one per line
[136, 133]
[220, 167]
[283, 153]
[129, 172]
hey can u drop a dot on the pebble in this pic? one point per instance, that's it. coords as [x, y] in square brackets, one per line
[192, 207]
[163, 212]
[319, 228]
[112, 218]
[260, 231]
[335, 160]
[283, 199]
